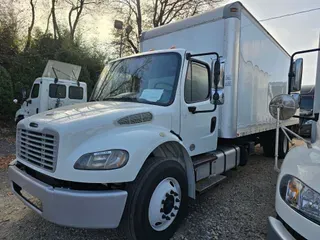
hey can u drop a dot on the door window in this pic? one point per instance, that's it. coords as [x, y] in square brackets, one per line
[197, 83]
[35, 90]
[75, 92]
[57, 91]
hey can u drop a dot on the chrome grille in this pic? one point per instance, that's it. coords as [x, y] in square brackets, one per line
[38, 148]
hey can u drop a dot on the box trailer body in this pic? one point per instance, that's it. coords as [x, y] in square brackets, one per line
[256, 65]
[160, 126]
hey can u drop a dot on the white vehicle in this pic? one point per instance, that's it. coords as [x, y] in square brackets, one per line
[57, 87]
[298, 187]
[161, 126]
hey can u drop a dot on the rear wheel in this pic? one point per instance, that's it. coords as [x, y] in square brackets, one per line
[268, 144]
[157, 201]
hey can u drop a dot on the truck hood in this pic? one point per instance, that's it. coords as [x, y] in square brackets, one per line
[94, 115]
[304, 163]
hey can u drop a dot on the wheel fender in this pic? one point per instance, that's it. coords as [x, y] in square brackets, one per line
[18, 113]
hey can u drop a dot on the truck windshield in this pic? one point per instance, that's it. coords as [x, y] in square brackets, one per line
[148, 79]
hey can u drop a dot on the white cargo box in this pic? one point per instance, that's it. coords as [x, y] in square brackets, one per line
[256, 66]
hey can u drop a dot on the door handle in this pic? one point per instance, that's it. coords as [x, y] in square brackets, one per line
[192, 109]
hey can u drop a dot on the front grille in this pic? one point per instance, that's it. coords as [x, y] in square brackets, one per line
[38, 148]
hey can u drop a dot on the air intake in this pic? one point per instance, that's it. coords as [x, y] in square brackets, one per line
[136, 118]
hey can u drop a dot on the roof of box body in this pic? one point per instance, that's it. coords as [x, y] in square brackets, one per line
[217, 13]
[222, 12]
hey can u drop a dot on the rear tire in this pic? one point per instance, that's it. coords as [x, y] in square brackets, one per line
[152, 209]
[269, 144]
[244, 155]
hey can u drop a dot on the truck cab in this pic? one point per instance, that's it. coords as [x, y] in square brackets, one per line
[58, 86]
[45, 95]
[297, 200]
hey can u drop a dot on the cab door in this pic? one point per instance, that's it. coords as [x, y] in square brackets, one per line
[57, 95]
[199, 131]
[33, 102]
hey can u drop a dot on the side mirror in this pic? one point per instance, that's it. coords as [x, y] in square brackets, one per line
[296, 75]
[216, 73]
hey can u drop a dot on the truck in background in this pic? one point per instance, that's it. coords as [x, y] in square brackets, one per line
[58, 86]
[306, 109]
[161, 127]
[297, 201]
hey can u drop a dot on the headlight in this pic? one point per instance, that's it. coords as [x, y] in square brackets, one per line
[300, 197]
[104, 160]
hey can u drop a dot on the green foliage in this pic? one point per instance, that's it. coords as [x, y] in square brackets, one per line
[25, 66]
[6, 93]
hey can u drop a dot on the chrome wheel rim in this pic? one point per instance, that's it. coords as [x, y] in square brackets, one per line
[164, 204]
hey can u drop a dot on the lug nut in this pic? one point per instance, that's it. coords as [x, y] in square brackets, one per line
[173, 193]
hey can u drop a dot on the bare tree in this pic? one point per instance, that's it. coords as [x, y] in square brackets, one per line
[56, 31]
[48, 22]
[32, 4]
[142, 15]
[77, 9]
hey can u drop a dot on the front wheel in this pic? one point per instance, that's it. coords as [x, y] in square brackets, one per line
[157, 201]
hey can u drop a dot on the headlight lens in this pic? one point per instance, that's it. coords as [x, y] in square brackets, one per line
[301, 197]
[104, 160]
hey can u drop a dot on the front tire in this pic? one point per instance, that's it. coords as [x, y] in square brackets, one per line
[157, 201]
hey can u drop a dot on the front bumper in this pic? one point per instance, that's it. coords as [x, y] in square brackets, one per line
[73, 208]
[277, 231]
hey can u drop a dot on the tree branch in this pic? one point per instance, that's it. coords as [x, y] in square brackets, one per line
[30, 27]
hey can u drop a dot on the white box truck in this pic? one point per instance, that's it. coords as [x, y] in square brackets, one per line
[161, 126]
[58, 87]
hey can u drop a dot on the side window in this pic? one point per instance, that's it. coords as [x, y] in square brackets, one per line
[197, 88]
[75, 92]
[35, 90]
[57, 91]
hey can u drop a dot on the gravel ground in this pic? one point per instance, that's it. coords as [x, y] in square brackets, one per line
[236, 209]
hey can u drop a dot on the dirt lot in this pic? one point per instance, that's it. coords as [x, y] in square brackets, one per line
[236, 209]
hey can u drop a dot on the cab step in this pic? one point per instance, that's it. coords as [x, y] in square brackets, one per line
[209, 182]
